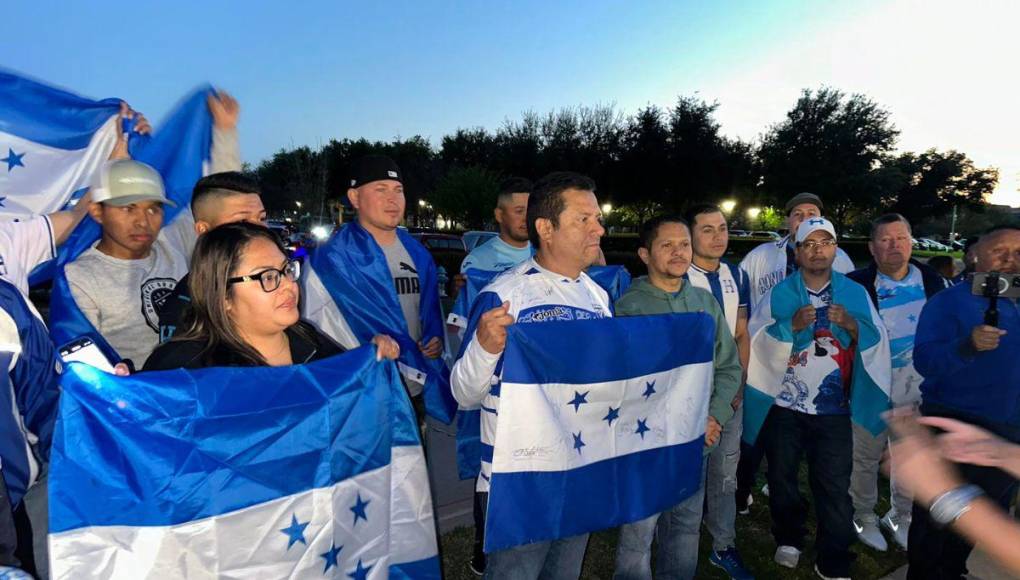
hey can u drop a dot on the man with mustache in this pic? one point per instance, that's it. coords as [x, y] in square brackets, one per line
[899, 286]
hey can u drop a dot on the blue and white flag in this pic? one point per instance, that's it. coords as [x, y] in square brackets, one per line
[773, 341]
[290, 472]
[601, 423]
[613, 279]
[350, 280]
[51, 142]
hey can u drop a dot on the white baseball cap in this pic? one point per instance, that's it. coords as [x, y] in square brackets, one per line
[814, 224]
[125, 181]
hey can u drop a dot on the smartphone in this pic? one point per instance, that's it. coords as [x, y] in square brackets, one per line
[85, 350]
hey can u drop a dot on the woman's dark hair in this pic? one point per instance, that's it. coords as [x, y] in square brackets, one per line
[216, 257]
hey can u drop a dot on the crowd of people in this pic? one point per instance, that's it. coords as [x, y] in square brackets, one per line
[217, 288]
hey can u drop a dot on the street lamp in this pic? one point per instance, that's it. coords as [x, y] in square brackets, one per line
[298, 204]
[607, 208]
[753, 212]
[728, 206]
[421, 203]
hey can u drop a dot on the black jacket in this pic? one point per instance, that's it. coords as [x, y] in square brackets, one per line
[931, 279]
[306, 345]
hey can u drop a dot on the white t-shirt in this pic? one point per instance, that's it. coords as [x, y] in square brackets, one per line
[23, 246]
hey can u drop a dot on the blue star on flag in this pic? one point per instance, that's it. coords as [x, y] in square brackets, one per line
[642, 427]
[579, 400]
[649, 390]
[612, 415]
[361, 572]
[295, 532]
[13, 160]
[331, 557]
[359, 509]
[911, 318]
[578, 444]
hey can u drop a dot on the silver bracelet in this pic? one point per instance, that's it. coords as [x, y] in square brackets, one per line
[948, 507]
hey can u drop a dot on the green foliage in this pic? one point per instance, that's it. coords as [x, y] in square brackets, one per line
[930, 184]
[771, 219]
[467, 195]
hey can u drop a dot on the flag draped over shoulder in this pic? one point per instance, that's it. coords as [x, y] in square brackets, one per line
[773, 341]
[613, 279]
[353, 270]
[287, 472]
[595, 436]
[179, 149]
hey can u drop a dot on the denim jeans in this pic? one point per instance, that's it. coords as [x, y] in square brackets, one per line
[678, 530]
[721, 484]
[553, 560]
[827, 443]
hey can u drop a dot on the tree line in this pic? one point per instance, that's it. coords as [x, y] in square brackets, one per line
[838, 145]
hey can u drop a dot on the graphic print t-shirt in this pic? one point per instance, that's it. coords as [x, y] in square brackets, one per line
[817, 378]
[407, 284]
[899, 304]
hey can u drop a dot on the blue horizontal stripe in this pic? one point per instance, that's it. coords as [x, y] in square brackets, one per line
[486, 452]
[50, 116]
[608, 349]
[527, 507]
[420, 570]
[163, 448]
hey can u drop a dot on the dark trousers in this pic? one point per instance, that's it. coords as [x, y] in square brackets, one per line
[748, 466]
[935, 552]
[827, 442]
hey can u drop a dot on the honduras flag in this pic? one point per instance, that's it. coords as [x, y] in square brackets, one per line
[179, 150]
[613, 279]
[599, 435]
[773, 341]
[351, 270]
[288, 472]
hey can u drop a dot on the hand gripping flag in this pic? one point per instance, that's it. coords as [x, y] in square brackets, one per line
[773, 341]
[290, 472]
[353, 271]
[601, 423]
[613, 279]
[179, 150]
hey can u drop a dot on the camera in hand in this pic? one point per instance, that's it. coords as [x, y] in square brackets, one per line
[995, 285]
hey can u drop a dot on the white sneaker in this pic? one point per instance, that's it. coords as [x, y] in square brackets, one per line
[820, 575]
[898, 528]
[869, 534]
[787, 556]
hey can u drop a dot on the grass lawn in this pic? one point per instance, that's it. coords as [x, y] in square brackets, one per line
[754, 540]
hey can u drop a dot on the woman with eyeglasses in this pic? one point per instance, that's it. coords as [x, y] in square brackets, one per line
[244, 309]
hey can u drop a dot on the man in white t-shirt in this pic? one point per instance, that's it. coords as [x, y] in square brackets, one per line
[118, 281]
[899, 287]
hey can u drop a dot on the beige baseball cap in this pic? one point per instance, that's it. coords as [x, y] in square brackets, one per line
[126, 181]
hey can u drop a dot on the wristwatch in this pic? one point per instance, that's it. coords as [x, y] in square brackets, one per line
[948, 507]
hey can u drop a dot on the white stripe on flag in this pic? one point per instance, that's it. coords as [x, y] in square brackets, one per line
[250, 543]
[675, 413]
[50, 175]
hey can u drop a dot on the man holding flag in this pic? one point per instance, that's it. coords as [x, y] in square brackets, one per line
[563, 220]
[819, 357]
[666, 250]
[372, 278]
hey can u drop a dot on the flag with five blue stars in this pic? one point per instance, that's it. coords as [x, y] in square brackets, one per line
[601, 423]
[306, 471]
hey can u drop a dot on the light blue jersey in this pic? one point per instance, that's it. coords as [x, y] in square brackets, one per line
[495, 255]
[899, 304]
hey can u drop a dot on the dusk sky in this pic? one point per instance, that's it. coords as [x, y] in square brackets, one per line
[311, 71]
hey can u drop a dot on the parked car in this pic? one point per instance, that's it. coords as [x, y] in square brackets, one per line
[448, 252]
[474, 239]
[740, 234]
[935, 246]
[765, 234]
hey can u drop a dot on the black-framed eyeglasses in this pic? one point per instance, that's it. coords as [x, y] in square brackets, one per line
[270, 279]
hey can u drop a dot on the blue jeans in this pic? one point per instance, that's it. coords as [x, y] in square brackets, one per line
[552, 560]
[721, 484]
[678, 529]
